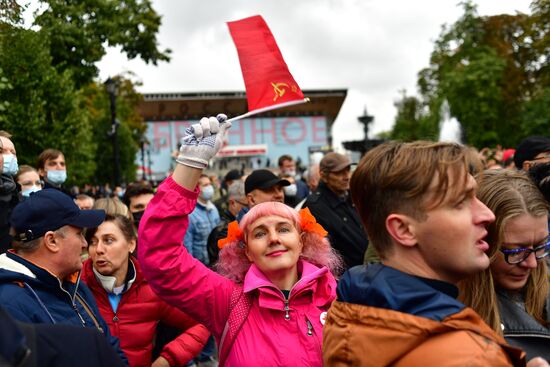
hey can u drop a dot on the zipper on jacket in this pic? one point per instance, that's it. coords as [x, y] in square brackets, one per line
[79, 315]
[115, 319]
[287, 310]
[309, 328]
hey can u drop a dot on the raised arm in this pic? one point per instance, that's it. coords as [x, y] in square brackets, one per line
[172, 273]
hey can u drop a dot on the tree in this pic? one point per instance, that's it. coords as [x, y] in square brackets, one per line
[4, 85]
[45, 110]
[412, 121]
[49, 95]
[536, 110]
[80, 31]
[129, 131]
[493, 71]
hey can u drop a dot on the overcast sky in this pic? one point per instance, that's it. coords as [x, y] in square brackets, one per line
[372, 48]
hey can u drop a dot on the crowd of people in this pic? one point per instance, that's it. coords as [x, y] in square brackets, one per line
[423, 253]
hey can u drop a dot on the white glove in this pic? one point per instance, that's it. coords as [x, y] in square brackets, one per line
[202, 141]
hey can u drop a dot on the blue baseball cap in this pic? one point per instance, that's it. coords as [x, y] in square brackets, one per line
[48, 210]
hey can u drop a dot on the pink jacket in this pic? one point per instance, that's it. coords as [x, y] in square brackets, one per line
[266, 337]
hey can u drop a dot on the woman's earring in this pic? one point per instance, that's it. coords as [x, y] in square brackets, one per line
[241, 244]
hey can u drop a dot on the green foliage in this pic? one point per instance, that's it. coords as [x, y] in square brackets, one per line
[10, 13]
[494, 73]
[4, 85]
[45, 110]
[49, 97]
[536, 115]
[80, 31]
[412, 122]
[129, 131]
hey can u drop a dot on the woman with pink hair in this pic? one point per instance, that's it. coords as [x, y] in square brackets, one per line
[267, 304]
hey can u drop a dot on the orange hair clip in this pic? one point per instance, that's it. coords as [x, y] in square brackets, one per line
[234, 233]
[308, 223]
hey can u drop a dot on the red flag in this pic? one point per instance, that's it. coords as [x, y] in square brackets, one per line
[269, 84]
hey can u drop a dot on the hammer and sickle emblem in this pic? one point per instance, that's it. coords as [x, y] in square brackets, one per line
[279, 90]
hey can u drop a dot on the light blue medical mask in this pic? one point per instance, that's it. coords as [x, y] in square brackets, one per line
[207, 192]
[10, 167]
[27, 192]
[56, 176]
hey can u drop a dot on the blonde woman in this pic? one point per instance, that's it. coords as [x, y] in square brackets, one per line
[512, 295]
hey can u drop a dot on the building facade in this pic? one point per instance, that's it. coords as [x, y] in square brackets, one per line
[252, 142]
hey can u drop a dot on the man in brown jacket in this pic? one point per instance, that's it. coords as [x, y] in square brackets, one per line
[417, 202]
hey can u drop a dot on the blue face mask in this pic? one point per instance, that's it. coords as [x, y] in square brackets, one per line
[207, 192]
[10, 167]
[56, 177]
[27, 192]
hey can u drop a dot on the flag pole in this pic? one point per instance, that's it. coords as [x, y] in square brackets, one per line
[269, 108]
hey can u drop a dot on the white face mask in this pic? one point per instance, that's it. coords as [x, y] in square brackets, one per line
[10, 167]
[56, 177]
[289, 172]
[290, 190]
[27, 192]
[207, 192]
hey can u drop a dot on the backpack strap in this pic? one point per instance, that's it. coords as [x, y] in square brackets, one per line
[239, 307]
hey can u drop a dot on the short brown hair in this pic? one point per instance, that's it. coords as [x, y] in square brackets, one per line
[396, 177]
[24, 169]
[136, 189]
[47, 155]
[5, 134]
[122, 222]
[284, 158]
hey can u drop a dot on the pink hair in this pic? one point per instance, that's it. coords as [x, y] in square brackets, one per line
[234, 264]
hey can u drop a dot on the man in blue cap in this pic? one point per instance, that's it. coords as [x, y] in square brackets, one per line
[39, 278]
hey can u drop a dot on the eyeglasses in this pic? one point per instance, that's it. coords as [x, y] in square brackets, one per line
[542, 156]
[517, 255]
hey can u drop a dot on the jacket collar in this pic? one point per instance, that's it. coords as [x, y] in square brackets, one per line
[108, 282]
[316, 283]
[24, 270]
[208, 206]
[7, 263]
[384, 287]
[97, 281]
[329, 196]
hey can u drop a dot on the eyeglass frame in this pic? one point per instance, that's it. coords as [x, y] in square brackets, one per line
[543, 155]
[529, 251]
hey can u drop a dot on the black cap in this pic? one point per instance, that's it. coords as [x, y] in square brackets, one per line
[232, 175]
[529, 148]
[48, 210]
[262, 179]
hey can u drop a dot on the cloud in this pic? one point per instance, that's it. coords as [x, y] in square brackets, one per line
[374, 48]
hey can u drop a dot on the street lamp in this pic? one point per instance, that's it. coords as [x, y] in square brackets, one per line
[143, 141]
[111, 87]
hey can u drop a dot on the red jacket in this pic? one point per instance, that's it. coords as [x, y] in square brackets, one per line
[136, 319]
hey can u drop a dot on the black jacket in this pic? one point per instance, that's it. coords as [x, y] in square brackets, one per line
[29, 345]
[520, 329]
[8, 201]
[340, 219]
[219, 232]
